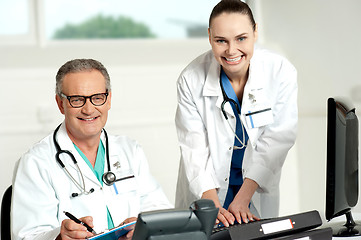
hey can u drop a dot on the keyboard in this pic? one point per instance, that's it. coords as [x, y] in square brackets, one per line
[222, 233]
[269, 228]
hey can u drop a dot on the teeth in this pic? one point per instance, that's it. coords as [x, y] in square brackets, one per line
[233, 59]
[88, 119]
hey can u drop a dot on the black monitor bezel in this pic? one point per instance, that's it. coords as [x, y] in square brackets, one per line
[345, 107]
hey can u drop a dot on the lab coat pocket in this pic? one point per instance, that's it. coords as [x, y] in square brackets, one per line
[259, 117]
[126, 186]
[127, 201]
[259, 111]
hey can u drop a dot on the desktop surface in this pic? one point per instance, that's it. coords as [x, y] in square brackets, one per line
[341, 220]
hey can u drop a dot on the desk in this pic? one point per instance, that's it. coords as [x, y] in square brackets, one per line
[341, 220]
[345, 238]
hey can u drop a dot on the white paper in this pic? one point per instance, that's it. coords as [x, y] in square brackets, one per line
[278, 226]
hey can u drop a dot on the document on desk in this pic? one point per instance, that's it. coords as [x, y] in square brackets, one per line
[114, 233]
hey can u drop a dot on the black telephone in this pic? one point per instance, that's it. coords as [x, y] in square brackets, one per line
[195, 223]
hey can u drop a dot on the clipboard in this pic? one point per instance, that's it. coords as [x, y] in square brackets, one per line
[114, 233]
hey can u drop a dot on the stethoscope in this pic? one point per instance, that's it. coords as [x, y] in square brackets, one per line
[108, 177]
[230, 100]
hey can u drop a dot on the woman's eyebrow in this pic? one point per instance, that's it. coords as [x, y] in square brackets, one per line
[237, 36]
[241, 35]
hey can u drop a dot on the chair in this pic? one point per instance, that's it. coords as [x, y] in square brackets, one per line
[5, 214]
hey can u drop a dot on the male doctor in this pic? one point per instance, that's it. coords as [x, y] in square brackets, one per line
[102, 179]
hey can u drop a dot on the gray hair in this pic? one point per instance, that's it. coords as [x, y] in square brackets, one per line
[80, 65]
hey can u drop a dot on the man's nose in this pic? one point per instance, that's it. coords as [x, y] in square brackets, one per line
[88, 107]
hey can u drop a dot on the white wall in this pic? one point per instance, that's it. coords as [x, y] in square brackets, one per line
[143, 75]
[319, 37]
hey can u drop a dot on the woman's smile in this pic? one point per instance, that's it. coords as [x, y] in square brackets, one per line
[233, 61]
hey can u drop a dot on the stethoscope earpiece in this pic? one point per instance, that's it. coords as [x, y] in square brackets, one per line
[85, 192]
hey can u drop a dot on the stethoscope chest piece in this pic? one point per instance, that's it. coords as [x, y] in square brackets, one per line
[109, 178]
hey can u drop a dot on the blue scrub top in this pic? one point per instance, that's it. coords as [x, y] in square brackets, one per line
[236, 177]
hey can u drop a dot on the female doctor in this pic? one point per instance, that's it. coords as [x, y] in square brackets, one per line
[236, 120]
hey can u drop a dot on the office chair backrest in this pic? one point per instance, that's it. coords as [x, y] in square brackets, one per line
[5, 214]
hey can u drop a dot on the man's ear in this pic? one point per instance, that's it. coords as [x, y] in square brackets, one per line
[110, 99]
[59, 101]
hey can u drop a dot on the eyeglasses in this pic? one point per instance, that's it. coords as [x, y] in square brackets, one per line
[77, 101]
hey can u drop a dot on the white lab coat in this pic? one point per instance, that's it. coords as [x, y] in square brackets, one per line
[42, 190]
[206, 139]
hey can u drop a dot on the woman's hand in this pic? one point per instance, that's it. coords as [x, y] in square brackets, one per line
[223, 216]
[72, 230]
[240, 210]
[239, 207]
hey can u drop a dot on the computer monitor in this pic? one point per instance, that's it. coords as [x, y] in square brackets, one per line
[342, 166]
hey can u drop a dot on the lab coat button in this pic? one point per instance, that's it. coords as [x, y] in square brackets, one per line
[226, 179]
[230, 148]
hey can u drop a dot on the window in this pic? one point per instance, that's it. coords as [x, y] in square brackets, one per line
[17, 22]
[41, 21]
[161, 18]
[14, 17]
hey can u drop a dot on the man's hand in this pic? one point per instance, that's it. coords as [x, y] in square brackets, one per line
[72, 230]
[129, 234]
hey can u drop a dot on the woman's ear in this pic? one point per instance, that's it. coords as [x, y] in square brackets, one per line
[209, 34]
[255, 31]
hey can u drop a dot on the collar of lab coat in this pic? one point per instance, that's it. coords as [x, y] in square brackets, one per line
[255, 80]
[212, 86]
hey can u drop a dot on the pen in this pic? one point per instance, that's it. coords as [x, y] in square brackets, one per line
[69, 215]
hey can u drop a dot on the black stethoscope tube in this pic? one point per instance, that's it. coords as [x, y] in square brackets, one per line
[108, 178]
[60, 151]
[230, 100]
[225, 100]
